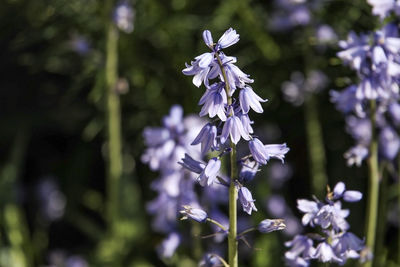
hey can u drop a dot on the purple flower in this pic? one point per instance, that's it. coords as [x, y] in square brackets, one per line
[310, 208]
[382, 8]
[248, 171]
[192, 165]
[214, 101]
[199, 68]
[332, 215]
[277, 151]
[356, 155]
[347, 245]
[325, 34]
[246, 199]
[258, 151]
[268, 225]
[123, 17]
[230, 37]
[235, 77]
[246, 122]
[248, 98]
[233, 127]
[340, 191]
[168, 246]
[346, 100]
[300, 252]
[389, 143]
[210, 172]
[324, 253]
[207, 138]
[198, 215]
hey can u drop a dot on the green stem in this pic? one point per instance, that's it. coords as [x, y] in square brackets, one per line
[373, 190]
[380, 256]
[233, 194]
[114, 155]
[217, 224]
[316, 150]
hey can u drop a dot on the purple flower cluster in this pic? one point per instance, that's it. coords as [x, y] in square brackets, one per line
[334, 243]
[222, 78]
[376, 59]
[175, 187]
[383, 8]
[123, 16]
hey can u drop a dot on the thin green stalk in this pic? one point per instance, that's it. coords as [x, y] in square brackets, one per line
[373, 189]
[233, 194]
[114, 155]
[233, 243]
[380, 256]
[316, 150]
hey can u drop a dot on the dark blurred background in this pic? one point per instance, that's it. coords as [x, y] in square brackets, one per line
[53, 112]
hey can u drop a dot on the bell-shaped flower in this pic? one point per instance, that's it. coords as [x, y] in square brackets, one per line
[246, 199]
[210, 172]
[200, 68]
[324, 253]
[207, 138]
[214, 101]
[249, 99]
[347, 245]
[277, 151]
[332, 215]
[301, 251]
[356, 154]
[246, 122]
[230, 37]
[310, 210]
[198, 215]
[268, 225]
[233, 127]
[248, 171]
[339, 191]
[192, 165]
[257, 150]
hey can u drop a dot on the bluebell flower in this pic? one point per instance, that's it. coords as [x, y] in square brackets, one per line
[325, 253]
[199, 69]
[248, 171]
[214, 101]
[382, 8]
[268, 225]
[236, 78]
[192, 165]
[246, 122]
[389, 143]
[356, 154]
[258, 151]
[310, 210]
[123, 17]
[249, 99]
[394, 112]
[168, 246]
[246, 199]
[325, 34]
[347, 245]
[332, 215]
[339, 191]
[301, 251]
[198, 215]
[346, 100]
[233, 127]
[277, 151]
[207, 137]
[210, 172]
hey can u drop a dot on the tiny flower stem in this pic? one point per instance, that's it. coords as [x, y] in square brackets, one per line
[315, 147]
[217, 224]
[233, 194]
[373, 190]
[221, 260]
[245, 232]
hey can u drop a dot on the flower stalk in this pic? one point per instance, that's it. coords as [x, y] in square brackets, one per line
[373, 189]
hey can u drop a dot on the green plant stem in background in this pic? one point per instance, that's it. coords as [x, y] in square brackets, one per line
[373, 189]
[316, 151]
[113, 114]
[233, 243]
[233, 194]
